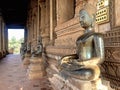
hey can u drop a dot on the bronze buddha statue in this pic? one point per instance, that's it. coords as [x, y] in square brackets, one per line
[28, 48]
[84, 65]
[23, 50]
[39, 48]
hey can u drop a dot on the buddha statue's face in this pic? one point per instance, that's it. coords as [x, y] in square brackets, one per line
[86, 20]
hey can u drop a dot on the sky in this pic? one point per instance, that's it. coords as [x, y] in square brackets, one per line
[17, 33]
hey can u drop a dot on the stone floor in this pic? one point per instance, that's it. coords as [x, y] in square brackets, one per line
[13, 76]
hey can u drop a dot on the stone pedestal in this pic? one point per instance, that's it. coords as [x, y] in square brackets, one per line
[26, 60]
[97, 85]
[60, 83]
[36, 68]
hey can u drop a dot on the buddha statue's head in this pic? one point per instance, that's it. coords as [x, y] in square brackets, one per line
[87, 16]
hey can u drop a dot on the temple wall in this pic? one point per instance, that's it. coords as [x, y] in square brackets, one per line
[3, 38]
[57, 21]
[111, 66]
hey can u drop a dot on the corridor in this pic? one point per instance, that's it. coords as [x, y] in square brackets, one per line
[13, 76]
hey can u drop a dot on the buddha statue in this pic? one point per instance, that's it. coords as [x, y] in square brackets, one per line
[23, 50]
[29, 48]
[84, 65]
[27, 54]
[39, 48]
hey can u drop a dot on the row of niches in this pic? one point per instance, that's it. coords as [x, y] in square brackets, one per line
[102, 15]
[102, 11]
[102, 19]
[112, 34]
[115, 44]
[113, 39]
[102, 3]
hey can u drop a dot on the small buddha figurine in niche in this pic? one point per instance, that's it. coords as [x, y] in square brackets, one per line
[84, 65]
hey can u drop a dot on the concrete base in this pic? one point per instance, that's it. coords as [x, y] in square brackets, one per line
[36, 68]
[26, 60]
[35, 74]
[60, 83]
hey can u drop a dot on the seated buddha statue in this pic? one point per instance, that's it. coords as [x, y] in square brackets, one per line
[39, 48]
[23, 50]
[84, 65]
[28, 48]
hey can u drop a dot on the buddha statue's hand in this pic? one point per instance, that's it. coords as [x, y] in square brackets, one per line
[70, 65]
[77, 62]
[66, 62]
[68, 59]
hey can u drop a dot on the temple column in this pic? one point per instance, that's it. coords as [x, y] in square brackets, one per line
[35, 22]
[42, 5]
[35, 29]
[25, 34]
[30, 26]
[6, 40]
[0, 37]
[65, 10]
[27, 28]
[52, 19]
[32, 29]
[38, 12]
[47, 23]
[38, 19]
[47, 18]
[3, 38]
[44, 31]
